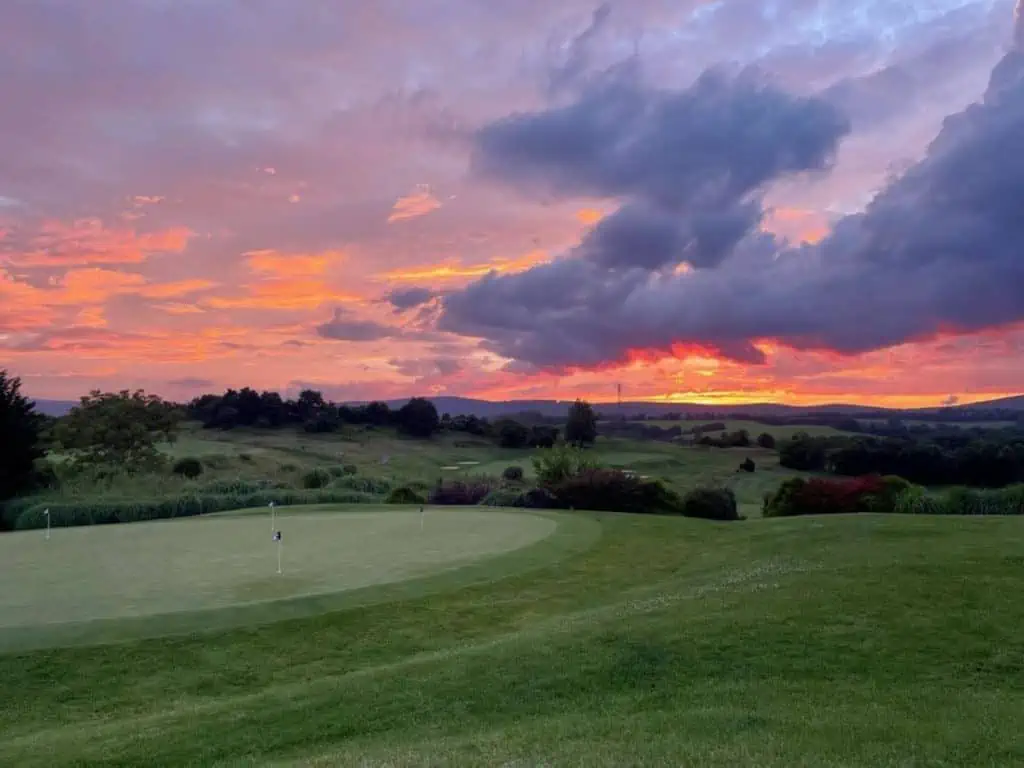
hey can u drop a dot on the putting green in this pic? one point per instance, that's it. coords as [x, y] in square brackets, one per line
[143, 570]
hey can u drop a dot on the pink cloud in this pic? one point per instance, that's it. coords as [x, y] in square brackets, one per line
[210, 183]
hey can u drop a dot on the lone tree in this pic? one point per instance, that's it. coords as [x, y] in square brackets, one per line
[581, 427]
[118, 429]
[418, 418]
[19, 437]
[512, 434]
[765, 440]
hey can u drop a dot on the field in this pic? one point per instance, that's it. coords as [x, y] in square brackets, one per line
[848, 641]
[285, 456]
[483, 636]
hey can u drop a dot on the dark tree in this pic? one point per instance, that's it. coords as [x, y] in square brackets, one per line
[512, 434]
[19, 437]
[309, 404]
[543, 436]
[273, 412]
[581, 428]
[418, 418]
[119, 429]
[803, 452]
[379, 414]
[765, 440]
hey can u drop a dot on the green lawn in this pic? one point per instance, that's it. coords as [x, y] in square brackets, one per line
[218, 561]
[847, 641]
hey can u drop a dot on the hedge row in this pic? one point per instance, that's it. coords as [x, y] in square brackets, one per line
[962, 501]
[888, 494]
[22, 516]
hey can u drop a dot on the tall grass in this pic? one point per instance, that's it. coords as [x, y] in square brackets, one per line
[962, 501]
[25, 516]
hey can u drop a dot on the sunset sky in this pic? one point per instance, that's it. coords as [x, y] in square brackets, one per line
[714, 202]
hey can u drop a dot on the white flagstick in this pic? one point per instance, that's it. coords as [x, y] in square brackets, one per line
[47, 513]
[273, 518]
[421, 518]
[279, 544]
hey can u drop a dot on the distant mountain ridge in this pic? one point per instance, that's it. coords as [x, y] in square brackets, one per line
[466, 406]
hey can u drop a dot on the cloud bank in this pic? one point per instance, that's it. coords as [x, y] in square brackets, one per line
[679, 264]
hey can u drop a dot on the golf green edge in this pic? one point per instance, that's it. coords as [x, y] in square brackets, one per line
[575, 533]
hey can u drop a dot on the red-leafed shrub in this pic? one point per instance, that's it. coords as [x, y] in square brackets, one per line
[820, 496]
[458, 493]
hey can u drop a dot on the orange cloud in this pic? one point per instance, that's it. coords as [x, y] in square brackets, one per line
[27, 307]
[283, 294]
[288, 281]
[419, 203]
[455, 271]
[290, 265]
[176, 308]
[589, 216]
[797, 225]
[89, 241]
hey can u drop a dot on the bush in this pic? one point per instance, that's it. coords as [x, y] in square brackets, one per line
[553, 465]
[459, 493]
[612, 490]
[503, 497]
[350, 469]
[44, 475]
[64, 514]
[892, 487]
[539, 498]
[405, 495]
[710, 504]
[240, 487]
[766, 440]
[819, 496]
[316, 478]
[748, 465]
[188, 467]
[376, 485]
[512, 474]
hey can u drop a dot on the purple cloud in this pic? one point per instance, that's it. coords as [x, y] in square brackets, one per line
[936, 249]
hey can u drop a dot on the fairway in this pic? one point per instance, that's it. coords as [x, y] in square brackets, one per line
[144, 569]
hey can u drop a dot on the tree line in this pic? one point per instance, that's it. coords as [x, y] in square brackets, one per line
[992, 460]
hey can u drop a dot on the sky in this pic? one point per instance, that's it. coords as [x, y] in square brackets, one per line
[809, 201]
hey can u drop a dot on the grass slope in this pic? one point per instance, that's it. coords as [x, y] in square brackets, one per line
[875, 641]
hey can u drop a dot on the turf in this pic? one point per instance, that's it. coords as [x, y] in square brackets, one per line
[96, 575]
[874, 641]
[202, 563]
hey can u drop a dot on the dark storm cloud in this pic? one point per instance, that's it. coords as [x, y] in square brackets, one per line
[344, 327]
[409, 298]
[710, 144]
[938, 249]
